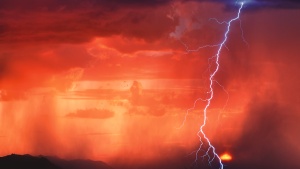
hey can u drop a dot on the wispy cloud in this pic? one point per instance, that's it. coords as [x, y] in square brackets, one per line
[91, 114]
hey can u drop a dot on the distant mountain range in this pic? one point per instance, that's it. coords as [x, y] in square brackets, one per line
[15, 161]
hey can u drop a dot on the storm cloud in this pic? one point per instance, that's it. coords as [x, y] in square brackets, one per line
[54, 44]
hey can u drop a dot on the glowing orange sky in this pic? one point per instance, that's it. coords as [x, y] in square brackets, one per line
[60, 61]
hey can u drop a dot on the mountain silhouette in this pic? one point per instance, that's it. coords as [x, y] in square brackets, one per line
[15, 161]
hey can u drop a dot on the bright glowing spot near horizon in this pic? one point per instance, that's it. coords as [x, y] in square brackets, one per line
[226, 157]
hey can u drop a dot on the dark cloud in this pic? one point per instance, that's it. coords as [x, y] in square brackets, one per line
[262, 4]
[74, 4]
[145, 3]
[257, 4]
[279, 3]
[80, 21]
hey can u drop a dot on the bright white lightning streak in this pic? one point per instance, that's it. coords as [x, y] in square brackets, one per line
[211, 148]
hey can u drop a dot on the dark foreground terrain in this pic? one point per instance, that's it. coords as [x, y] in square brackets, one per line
[15, 161]
[26, 162]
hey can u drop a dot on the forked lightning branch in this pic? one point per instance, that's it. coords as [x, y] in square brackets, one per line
[210, 152]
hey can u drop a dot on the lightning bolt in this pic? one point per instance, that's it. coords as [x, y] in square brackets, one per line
[201, 134]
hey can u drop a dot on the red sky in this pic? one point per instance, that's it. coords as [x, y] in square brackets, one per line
[53, 50]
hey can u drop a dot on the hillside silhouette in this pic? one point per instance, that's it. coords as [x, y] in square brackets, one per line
[15, 161]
